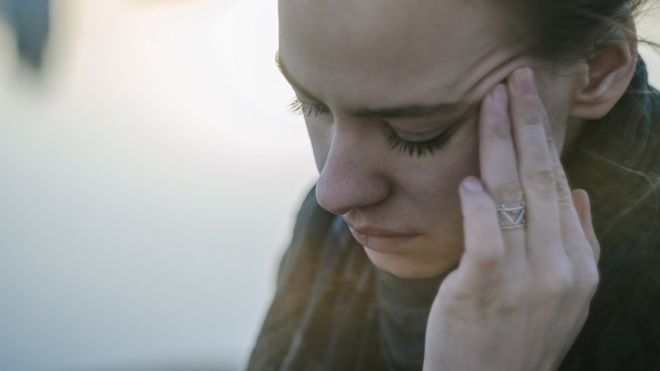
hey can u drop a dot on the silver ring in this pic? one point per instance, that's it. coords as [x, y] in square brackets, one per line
[511, 216]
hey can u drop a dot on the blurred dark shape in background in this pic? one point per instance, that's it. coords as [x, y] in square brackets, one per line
[30, 22]
[178, 367]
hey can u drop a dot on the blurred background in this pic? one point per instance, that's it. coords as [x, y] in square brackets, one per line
[150, 173]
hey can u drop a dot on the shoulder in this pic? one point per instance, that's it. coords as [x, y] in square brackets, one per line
[295, 276]
[318, 266]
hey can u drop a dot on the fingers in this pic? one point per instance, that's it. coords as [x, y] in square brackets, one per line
[583, 207]
[568, 216]
[585, 258]
[482, 262]
[554, 229]
[573, 229]
[499, 169]
[520, 161]
[544, 242]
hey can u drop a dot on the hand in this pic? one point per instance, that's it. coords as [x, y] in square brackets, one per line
[519, 297]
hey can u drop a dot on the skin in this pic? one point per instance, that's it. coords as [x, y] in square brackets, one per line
[514, 284]
[508, 286]
[377, 53]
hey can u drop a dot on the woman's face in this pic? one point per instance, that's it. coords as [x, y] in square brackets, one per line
[358, 63]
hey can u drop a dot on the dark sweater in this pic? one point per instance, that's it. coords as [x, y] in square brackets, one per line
[334, 310]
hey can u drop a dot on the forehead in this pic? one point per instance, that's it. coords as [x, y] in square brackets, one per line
[361, 50]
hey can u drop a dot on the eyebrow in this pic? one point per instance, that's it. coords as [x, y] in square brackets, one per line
[409, 111]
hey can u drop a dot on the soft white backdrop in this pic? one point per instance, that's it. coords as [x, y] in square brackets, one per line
[148, 186]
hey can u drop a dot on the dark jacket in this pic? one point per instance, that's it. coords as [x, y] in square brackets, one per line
[333, 310]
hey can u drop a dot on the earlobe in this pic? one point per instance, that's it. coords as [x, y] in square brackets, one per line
[607, 73]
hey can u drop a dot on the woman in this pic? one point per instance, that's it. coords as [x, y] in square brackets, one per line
[488, 189]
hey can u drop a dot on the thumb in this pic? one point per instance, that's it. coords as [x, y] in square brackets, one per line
[583, 208]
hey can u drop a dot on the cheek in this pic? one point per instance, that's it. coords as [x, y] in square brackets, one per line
[558, 115]
[556, 98]
[320, 139]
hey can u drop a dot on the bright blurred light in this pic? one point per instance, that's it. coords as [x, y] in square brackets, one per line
[149, 183]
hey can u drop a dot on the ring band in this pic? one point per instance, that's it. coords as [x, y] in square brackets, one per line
[511, 217]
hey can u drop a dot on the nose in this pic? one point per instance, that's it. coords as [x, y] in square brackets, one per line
[352, 176]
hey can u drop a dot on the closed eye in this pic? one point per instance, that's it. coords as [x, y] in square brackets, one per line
[310, 110]
[421, 148]
[394, 141]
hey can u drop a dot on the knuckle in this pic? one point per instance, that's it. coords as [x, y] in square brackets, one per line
[541, 182]
[510, 192]
[552, 147]
[557, 284]
[532, 115]
[500, 130]
[590, 278]
[560, 176]
[564, 194]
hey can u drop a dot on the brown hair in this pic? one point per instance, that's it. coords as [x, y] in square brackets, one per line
[563, 31]
[566, 30]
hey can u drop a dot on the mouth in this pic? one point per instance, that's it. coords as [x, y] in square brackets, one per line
[381, 240]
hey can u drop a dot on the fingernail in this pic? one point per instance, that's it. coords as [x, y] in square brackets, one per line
[472, 184]
[499, 98]
[523, 80]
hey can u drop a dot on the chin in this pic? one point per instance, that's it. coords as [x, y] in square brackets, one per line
[411, 266]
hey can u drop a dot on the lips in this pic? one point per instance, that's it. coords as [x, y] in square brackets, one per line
[377, 232]
[381, 239]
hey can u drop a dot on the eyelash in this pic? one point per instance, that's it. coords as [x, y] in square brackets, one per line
[300, 108]
[418, 149]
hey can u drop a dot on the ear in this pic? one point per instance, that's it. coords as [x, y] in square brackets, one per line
[606, 74]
